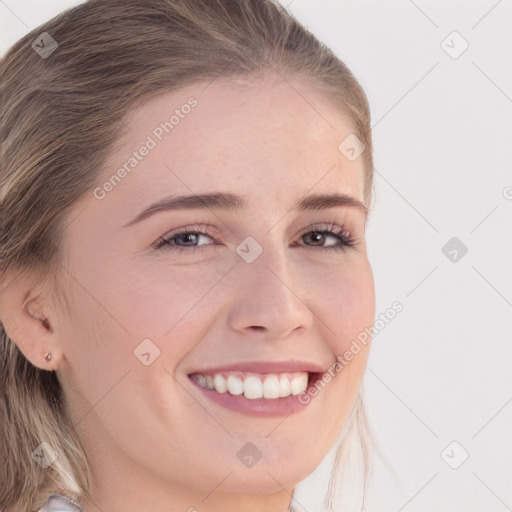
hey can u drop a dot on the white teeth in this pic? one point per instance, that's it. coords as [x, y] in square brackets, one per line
[284, 386]
[201, 379]
[299, 384]
[219, 382]
[253, 388]
[254, 385]
[271, 387]
[235, 385]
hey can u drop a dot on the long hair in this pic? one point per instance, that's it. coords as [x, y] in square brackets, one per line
[64, 101]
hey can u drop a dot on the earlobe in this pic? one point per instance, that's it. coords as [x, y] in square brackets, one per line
[48, 358]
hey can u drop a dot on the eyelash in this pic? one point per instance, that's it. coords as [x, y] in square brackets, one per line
[344, 237]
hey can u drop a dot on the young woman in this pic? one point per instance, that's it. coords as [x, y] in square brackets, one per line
[185, 289]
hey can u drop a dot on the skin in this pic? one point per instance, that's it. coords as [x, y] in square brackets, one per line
[151, 438]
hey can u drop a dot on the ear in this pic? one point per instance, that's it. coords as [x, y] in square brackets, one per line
[29, 319]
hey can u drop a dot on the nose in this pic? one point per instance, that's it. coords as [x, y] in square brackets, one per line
[269, 297]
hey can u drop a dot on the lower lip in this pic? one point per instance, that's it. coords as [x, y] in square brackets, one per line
[269, 407]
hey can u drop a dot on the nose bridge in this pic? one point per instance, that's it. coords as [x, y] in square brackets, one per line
[269, 296]
[268, 259]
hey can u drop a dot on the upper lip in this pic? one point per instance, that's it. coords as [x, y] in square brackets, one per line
[265, 367]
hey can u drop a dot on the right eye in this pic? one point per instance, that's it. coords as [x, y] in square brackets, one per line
[188, 235]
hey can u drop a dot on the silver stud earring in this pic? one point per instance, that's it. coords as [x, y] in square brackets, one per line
[48, 357]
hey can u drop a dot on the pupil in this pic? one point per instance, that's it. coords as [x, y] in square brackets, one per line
[317, 236]
[187, 237]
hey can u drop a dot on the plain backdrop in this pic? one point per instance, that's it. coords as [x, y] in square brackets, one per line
[438, 77]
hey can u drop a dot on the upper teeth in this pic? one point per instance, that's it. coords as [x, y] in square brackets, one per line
[255, 385]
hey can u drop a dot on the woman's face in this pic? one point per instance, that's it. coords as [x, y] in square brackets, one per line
[250, 291]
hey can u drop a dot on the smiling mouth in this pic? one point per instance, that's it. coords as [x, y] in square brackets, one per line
[256, 385]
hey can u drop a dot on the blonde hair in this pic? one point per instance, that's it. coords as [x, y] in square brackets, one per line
[62, 112]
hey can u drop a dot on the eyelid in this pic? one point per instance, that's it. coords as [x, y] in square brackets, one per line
[334, 227]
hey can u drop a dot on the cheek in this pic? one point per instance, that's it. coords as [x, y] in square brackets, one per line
[149, 300]
[96, 357]
[348, 304]
[163, 302]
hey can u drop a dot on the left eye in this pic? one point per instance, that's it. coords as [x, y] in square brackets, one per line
[191, 236]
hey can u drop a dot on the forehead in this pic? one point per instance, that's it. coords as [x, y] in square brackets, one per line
[262, 137]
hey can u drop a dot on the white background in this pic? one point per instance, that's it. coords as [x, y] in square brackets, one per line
[441, 371]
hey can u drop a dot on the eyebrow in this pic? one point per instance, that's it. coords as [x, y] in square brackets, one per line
[232, 202]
